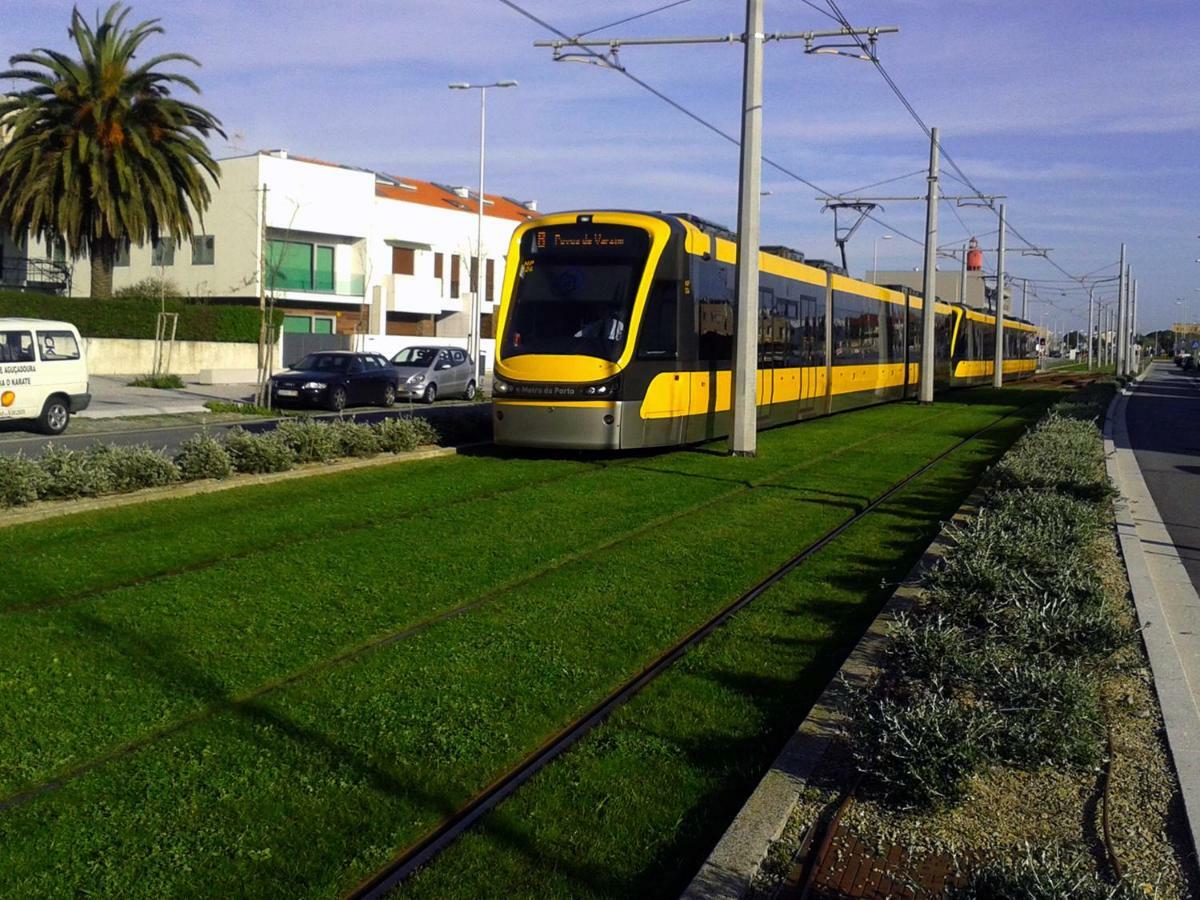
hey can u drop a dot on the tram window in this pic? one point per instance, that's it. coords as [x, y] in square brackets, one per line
[660, 321]
[895, 316]
[714, 308]
[941, 336]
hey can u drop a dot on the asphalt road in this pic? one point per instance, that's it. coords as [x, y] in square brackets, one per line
[1163, 416]
[443, 415]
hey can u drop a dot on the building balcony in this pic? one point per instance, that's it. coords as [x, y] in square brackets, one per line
[349, 286]
[420, 295]
[40, 275]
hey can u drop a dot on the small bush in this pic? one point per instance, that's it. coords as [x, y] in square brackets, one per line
[131, 468]
[1047, 715]
[1060, 454]
[68, 475]
[203, 456]
[22, 480]
[920, 749]
[1047, 874]
[151, 288]
[243, 409]
[400, 435]
[932, 650]
[162, 382]
[353, 439]
[1076, 622]
[257, 453]
[309, 440]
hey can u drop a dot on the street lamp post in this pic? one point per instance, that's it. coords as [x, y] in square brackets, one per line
[473, 341]
[875, 258]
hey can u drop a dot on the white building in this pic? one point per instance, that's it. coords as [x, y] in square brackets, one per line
[344, 251]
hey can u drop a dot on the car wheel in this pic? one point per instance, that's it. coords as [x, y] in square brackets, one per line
[430, 393]
[469, 393]
[337, 398]
[389, 395]
[55, 416]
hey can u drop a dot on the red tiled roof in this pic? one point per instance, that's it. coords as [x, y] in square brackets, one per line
[430, 194]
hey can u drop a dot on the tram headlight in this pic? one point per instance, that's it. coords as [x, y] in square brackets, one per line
[607, 389]
[500, 387]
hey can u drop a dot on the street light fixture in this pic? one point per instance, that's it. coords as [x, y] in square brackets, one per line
[875, 258]
[473, 341]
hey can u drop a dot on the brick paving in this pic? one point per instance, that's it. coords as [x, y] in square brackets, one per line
[853, 868]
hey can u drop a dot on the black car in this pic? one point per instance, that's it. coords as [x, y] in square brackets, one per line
[336, 379]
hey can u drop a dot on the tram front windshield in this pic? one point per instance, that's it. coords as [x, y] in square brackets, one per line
[574, 290]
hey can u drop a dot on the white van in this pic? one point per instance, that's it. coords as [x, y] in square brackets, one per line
[43, 373]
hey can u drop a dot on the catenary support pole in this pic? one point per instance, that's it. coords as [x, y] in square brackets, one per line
[929, 282]
[1135, 359]
[962, 276]
[1125, 322]
[1091, 301]
[743, 435]
[1024, 298]
[998, 366]
[1123, 274]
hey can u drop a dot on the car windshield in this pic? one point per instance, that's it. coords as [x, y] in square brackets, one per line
[575, 289]
[415, 356]
[324, 362]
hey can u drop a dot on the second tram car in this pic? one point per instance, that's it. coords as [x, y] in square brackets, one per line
[616, 332]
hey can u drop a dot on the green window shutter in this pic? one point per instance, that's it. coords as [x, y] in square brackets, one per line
[324, 270]
[297, 325]
[289, 266]
[323, 326]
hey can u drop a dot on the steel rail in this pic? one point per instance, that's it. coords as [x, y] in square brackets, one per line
[451, 827]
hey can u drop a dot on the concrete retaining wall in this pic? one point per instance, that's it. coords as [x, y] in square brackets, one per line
[120, 356]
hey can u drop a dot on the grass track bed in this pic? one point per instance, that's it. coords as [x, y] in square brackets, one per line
[307, 788]
[634, 808]
[253, 621]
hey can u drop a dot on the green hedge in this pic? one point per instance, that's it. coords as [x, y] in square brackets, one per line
[135, 318]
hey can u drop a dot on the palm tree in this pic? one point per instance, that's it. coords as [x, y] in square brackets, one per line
[99, 154]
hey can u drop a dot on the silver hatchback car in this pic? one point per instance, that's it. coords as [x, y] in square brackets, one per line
[427, 373]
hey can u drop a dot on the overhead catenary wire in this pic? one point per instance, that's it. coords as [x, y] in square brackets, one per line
[695, 117]
[840, 17]
[642, 15]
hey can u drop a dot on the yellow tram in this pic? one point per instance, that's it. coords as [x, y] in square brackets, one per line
[616, 332]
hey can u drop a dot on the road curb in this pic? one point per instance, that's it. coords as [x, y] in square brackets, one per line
[730, 869]
[53, 509]
[1168, 607]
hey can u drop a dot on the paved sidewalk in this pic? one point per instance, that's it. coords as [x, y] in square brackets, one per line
[1152, 442]
[112, 397]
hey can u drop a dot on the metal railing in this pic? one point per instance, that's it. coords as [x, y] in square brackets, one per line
[43, 275]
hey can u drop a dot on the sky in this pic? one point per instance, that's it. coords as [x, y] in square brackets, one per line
[1085, 114]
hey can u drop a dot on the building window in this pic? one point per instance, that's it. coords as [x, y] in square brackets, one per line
[297, 325]
[203, 250]
[402, 261]
[323, 274]
[289, 266]
[490, 273]
[162, 252]
[474, 274]
[121, 256]
[438, 260]
[455, 264]
[322, 325]
[58, 250]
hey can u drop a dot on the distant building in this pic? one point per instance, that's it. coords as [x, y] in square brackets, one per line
[975, 291]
